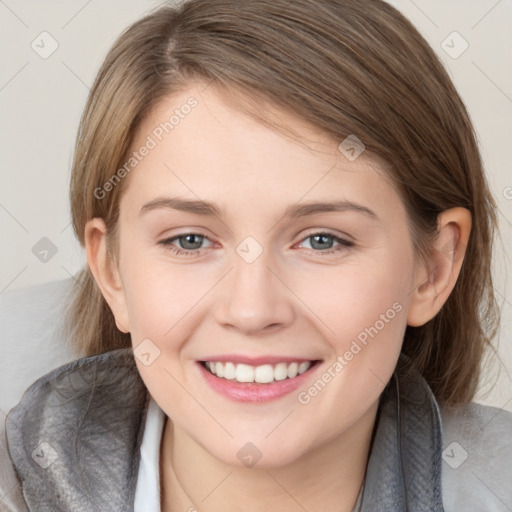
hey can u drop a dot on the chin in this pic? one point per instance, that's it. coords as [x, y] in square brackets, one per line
[257, 455]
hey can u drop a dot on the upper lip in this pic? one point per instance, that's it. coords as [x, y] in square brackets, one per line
[256, 361]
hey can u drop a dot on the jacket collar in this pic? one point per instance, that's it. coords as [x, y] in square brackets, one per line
[75, 438]
[404, 468]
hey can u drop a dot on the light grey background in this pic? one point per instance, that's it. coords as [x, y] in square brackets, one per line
[41, 100]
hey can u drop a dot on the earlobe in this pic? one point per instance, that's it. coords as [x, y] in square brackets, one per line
[445, 262]
[105, 271]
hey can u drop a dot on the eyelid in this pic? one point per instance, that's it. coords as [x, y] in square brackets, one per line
[308, 233]
[167, 239]
[327, 231]
[191, 231]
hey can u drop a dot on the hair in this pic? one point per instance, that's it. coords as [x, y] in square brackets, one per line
[344, 66]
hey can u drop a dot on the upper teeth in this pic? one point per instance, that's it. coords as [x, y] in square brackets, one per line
[261, 374]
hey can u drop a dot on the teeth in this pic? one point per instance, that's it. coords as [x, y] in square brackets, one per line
[261, 374]
[281, 371]
[229, 371]
[303, 367]
[292, 370]
[243, 373]
[264, 373]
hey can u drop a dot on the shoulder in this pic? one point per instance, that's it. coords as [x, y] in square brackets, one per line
[477, 458]
[78, 411]
[11, 497]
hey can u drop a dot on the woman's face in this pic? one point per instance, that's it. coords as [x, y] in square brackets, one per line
[223, 258]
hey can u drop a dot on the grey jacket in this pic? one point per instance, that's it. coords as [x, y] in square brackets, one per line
[72, 444]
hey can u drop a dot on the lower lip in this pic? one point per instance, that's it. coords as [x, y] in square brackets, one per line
[252, 392]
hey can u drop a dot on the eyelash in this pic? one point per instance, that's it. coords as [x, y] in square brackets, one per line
[344, 244]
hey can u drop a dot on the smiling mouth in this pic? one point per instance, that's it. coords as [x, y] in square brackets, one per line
[262, 374]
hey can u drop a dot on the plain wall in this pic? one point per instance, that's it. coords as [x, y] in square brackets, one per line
[41, 100]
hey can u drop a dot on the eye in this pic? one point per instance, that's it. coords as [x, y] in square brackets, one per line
[190, 242]
[320, 242]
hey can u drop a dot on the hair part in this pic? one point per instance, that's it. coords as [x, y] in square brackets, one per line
[343, 66]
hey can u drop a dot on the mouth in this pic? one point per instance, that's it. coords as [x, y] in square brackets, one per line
[244, 382]
[261, 374]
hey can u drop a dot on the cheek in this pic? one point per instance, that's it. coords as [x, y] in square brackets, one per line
[359, 296]
[373, 307]
[159, 295]
[364, 308]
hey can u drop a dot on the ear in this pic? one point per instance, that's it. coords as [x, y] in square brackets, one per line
[105, 271]
[445, 262]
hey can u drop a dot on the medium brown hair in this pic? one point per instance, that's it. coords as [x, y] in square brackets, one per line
[344, 66]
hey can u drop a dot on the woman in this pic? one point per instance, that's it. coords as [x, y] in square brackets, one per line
[288, 294]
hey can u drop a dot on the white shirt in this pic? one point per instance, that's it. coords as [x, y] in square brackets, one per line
[147, 491]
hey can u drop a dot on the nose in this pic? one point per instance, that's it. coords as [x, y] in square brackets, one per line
[255, 298]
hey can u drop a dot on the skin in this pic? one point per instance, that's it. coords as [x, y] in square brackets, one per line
[293, 300]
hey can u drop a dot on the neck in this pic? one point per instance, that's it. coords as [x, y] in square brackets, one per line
[328, 478]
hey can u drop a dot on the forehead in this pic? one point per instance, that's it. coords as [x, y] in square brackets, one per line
[201, 145]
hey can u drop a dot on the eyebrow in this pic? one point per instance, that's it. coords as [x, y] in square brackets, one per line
[294, 211]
